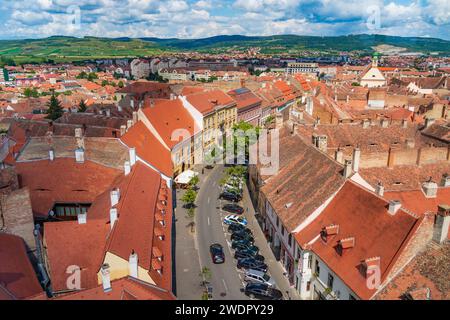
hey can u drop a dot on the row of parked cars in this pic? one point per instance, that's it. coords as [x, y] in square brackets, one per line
[259, 284]
[232, 189]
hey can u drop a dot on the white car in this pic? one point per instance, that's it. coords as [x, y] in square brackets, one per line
[235, 219]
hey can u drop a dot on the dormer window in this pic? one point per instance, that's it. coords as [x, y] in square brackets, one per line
[369, 266]
[345, 244]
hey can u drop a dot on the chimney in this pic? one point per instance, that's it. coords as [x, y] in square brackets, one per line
[172, 96]
[113, 215]
[384, 123]
[106, 280]
[135, 117]
[391, 158]
[320, 142]
[365, 123]
[348, 99]
[82, 218]
[347, 243]
[127, 167]
[394, 206]
[129, 124]
[78, 133]
[79, 155]
[123, 130]
[133, 264]
[108, 112]
[429, 122]
[356, 159]
[370, 265]
[115, 196]
[51, 154]
[379, 189]
[442, 224]
[132, 156]
[445, 182]
[404, 123]
[119, 108]
[339, 156]
[430, 188]
[347, 169]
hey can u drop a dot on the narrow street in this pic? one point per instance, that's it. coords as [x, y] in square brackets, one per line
[225, 279]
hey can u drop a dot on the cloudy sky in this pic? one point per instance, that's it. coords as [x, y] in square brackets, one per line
[203, 18]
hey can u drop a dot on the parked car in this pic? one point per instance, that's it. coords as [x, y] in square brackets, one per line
[242, 245]
[250, 263]
[241, 254]
[217, 253]
[234, 227]
[230, 196]
[235, 219]
[262, 291]
[256, 276]
[233, 208]
[242, 236]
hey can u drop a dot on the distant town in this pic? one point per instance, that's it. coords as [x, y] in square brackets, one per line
[113, 185]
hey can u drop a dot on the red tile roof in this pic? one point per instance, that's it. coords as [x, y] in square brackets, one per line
[149, 148]
[364, 216]
[167, 116]
[245, 99]
[63, 180]
[17, 277]
[122, 289]
[206, 102]
[71, 244]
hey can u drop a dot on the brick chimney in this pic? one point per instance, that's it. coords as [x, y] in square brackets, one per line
[123, 130]
[404, 123]
[442, 223]
[129, 124]
[135, 117]
[106, 279]
[365, 123]
[384, 123]
[133, 264]
[394, 206]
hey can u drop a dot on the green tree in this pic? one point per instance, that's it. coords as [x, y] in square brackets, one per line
[189, 198]
[120, 84]
[193, 182]
[92, 76]
[82, 107]
[82, 75]
[54, 111]
[31, 92]
[105, 83]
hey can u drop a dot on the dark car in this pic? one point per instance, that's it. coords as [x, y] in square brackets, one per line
[262, 291]
[241, 254]
[230, 196]
[243, 246]
[244, 243]
[217, 254]
[251, 263]
[233, 208]
[235, 227]
[242, 236]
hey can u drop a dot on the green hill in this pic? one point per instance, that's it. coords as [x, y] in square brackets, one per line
[60, 48]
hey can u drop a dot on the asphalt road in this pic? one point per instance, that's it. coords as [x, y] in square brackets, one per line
[226, 280]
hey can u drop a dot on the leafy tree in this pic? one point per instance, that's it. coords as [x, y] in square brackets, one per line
[92, 76]
[82, 107]
[189, 198]
[120, 84]
[54, 111]
[31, 92]
[193, 182]
[105, 83]
[82, 75]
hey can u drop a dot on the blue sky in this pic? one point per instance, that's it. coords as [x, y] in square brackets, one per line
[204, 18]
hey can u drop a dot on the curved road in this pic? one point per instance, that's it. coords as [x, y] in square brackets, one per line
[226, 279]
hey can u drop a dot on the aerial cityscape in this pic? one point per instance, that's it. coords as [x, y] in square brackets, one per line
[224, 150]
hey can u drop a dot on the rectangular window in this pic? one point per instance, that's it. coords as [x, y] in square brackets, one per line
[278, 221]
[330, 281]
[308, 286]
[317, 268]
[310, 261]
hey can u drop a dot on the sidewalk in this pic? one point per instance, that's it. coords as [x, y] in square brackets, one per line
[187, 264]
[275, 269]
